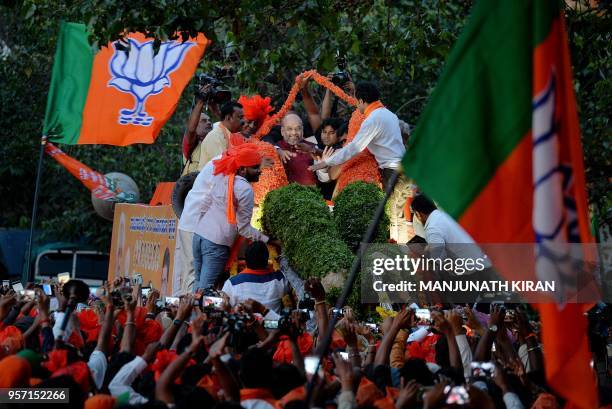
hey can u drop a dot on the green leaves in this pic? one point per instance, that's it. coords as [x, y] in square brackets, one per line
[300, 218]
[354, 208]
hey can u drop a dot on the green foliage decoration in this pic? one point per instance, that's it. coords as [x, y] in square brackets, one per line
[354, 207]
[299, 217]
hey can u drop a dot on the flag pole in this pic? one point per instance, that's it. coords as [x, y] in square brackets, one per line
[26, 276]
[350, 281]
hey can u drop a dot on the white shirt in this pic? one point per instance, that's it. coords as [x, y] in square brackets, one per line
[201, 187]
[122, 382]
[380, 133]
[213, 224]
[443, 234]
[97, 366]
[267, 289]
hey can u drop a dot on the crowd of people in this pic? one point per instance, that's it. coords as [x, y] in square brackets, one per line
[259, 347]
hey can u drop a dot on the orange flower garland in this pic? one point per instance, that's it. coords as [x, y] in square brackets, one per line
[362, 167]
[271, 178]
[319, 79]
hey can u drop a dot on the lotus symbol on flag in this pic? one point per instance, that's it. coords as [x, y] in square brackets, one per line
[143, 73]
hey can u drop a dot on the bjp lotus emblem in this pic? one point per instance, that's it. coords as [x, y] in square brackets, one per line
[142, 73]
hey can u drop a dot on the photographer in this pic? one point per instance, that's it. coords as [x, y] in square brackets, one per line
[198, 126]
[219, 139]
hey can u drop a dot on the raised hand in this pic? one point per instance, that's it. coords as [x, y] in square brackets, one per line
[314, 287]
[407, 397]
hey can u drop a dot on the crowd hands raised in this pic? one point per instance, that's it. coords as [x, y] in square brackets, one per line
[125, 347]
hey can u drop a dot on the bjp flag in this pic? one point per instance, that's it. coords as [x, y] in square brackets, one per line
[122, 94]
[498, 147]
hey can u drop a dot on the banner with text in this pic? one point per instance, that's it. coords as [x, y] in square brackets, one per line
[143, 243]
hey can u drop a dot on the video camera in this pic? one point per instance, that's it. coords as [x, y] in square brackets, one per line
[218, 91]
[341, 77]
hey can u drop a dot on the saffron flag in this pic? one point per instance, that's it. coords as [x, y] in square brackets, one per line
[498, 147]
[102, 187]
[116, 96]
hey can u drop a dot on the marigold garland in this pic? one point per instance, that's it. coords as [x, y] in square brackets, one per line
[362, 167]
[288, 105]
[271, 178]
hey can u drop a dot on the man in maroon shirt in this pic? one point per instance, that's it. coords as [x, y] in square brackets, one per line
[295, 160]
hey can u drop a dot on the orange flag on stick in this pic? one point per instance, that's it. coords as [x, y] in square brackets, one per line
[101, 186]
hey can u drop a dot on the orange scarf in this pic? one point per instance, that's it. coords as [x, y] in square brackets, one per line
[372, 107]
[260, 272]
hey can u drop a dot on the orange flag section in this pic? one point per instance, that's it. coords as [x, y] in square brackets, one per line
[564, 328]
[132, 94]
[94, 181]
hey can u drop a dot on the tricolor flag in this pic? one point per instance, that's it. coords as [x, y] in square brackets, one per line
[498, 147]
[101, 186]
[116, 97]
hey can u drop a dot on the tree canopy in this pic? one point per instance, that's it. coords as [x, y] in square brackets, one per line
[400, 44]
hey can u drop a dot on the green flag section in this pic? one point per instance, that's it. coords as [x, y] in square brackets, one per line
[114, 96]
[480, 109]
[69, 84]
[498, 147]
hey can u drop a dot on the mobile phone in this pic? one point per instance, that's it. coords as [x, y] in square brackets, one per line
[373, 327]
[344, 355]
[423, 314]
[212, 301]
[93, 291]
[47, 289]
[63, 278]
[270, 324]
[172, 300]
[27, 295]
[17, 287]
[310, 365]
[457, 395]
[137, 279]
[145, 291]
[339, 312]
[6, 283]
[482, 369]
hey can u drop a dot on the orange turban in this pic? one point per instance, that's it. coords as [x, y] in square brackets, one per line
[79, 371]
[283, 352]
[15, 372]
[256, 108]
[100, 402]
[11, 340]
[234, 158]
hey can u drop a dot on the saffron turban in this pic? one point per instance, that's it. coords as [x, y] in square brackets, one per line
[234, 158]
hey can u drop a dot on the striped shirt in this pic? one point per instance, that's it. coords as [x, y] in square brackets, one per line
[268, 288]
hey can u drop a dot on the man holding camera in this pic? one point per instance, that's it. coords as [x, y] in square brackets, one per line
[198, 126]
[381, 134]
[219, 139]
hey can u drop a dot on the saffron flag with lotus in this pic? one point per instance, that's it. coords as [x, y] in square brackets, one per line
[498, 147]
[122, 94]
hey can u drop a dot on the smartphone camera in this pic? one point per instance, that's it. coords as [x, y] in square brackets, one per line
[457, 395]
[482, 369]
[270, 324]
[423, 316]
[47, 289]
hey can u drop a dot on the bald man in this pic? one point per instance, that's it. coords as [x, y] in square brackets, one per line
[295, 160]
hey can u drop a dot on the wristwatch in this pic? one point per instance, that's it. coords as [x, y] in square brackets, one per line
[493, 328]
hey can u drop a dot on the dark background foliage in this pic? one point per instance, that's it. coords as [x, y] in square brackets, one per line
[401, 44]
